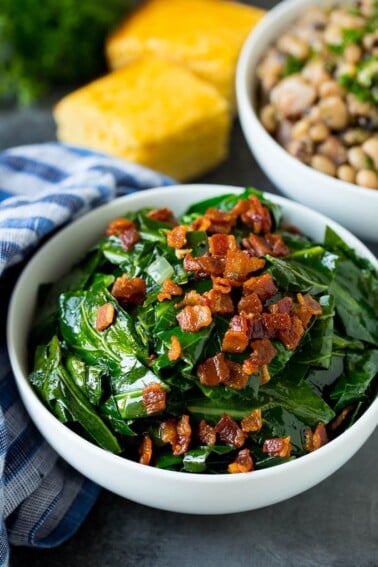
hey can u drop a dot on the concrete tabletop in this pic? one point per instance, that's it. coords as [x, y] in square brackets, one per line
[333, 524]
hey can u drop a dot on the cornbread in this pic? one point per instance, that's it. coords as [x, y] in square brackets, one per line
[151, 112]
[204, 35]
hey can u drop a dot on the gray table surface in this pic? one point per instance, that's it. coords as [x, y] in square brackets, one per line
[333, 524]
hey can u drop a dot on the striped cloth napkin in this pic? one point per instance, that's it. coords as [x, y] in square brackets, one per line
[43, 501]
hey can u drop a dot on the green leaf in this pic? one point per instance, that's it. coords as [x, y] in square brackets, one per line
[297, 397]
[52, 381]
[360, 371]
[318, 344]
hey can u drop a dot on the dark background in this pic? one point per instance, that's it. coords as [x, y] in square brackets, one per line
[333, 524]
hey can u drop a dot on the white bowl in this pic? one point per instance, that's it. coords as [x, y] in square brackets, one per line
[175, 491]
[354, 207]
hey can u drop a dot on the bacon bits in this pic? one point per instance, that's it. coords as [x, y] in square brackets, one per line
[230, 432]
[145, 450]
[262, 354]
[278, 446]
[213, 371]
[206, 433]
[291, 336]
[250, 303]
[175, 350]
[252, 422]
[126, 230]
[315, 440]
[263, 286]
[243, 462]
[218, 302]
[193, 318]
[154, 398]
[105, 316]
[239, 265]
[176, 238]
[238, 379]
[220, 244]
[184, 433]
[220, 221]
[236, 338]
[257, 216]
[162, 215]
[178, 434]
[169, 289]
[129, 291]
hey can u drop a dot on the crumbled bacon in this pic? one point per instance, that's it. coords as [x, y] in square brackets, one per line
[220, 221]
[213, 371]
[243, 462]
[154, 398]
[218, 302]
[223, 285]
[126, 230]
[220, 244]
[291, 336]
[263, 285]
[236, 338]
[312, 305]
[278, 446]
[263, 352]
[168, 431]
[192, 318]
[191, 297]
[274, 322]
[230, 432]
[176, 238]
[250, 303]
[257, 216]
[269, 244]
[284, 305]
[258, 330]
[201, 223]
[315, 440]
[145, 450]
[206, 433]
[183, 436]
[237, 379]
[162, 215]
[169, 289]
[175, 350]
[277, 246]
[339, 419]
[239, 265]
[105, 316]
[241, 207]
[129, 291]
[252, 422]
[204, 266]
[118, 225]
[178, 434]
[256, 245]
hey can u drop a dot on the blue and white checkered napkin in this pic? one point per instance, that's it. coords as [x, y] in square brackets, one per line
[43, 501]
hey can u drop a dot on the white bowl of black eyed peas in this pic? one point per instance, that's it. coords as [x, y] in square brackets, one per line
[307, 91]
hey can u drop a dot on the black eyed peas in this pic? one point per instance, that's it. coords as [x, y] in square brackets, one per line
[319, 91]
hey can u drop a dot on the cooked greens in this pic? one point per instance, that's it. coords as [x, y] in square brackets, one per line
[232, 343]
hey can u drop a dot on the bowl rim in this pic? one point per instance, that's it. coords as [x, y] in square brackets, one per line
[369, 416]
[246, 82]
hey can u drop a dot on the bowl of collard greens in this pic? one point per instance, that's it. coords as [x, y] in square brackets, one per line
[200, 349]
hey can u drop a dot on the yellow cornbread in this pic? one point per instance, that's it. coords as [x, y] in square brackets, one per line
[204, 35]
[151, 112]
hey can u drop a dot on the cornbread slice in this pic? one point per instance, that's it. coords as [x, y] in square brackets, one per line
[152, 112]
[204, 35]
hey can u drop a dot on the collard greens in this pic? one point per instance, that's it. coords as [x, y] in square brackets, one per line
[94, 380]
